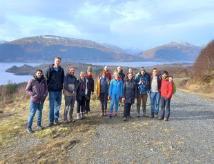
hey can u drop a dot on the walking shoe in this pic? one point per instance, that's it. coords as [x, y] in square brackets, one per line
[166, 119]
[159, 118]
[56, 122]
[152, 116]
[156, 115]
[40, 128]
[125, 119]
[138, 115]
[78, 116]
[29, 130]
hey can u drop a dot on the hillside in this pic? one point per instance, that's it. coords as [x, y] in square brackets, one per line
[172, 52]
[44, 48]
[205, 61]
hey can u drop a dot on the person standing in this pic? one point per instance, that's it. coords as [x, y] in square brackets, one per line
[166, 95]
[130, 91]
[143, 84]
[102, 87]
[81, 96]
[37, 89]
[120, 73]
[115, 93]
[69, 90]
[107, 73]
[55, 79]
[155, 92]
[89, 88]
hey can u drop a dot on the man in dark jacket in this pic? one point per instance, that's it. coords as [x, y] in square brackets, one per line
[37, 89]
[55, 78]
[89, 88]
[143, 84]
[69, 90]
[130, 91]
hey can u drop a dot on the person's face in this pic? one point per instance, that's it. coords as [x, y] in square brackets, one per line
[38, 74]
[81, 75]
[71, 71]
[130, 70]
[142, 72]
[57, 62]
[105, 68]
[118, 69]
[170, 79]
[130, 76]
[116, 75]
[89, 73]
[154, 72]
[164, 76]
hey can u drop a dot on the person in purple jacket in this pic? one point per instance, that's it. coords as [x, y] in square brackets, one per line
[38, 90]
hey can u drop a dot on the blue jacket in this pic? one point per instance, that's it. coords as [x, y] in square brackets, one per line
[143, 83]
[116, 88]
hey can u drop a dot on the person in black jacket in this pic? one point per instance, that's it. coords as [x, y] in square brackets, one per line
[89, 88]
[130, 91]
[81, 96]
[55, 78]
[69, 90]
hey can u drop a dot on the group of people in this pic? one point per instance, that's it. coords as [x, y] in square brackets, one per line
[117, 87]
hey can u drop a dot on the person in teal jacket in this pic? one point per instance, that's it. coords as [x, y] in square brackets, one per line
[115, 93]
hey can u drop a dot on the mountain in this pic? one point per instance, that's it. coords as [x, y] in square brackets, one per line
[46, 47]
[172, 52]
[205, 61]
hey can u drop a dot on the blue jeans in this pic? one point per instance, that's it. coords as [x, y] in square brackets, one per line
[114, 103]
[33, 108]
[155, 100]
[55, 99]
[165, 108]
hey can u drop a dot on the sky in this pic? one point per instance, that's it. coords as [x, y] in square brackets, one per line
[129, 24]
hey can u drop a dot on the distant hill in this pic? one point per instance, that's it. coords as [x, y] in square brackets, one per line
[44, 48]
[205, 61]
[172, 52]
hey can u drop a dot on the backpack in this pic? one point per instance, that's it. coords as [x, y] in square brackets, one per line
[174, 88]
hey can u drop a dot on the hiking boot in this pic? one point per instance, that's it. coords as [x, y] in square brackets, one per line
[50, 124]
[159, 118]
[29, 130]
[166, 119]
[125, 119]
[138, 115]
[56, 122]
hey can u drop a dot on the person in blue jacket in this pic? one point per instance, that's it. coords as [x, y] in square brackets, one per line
[115, 93]
[143, 86]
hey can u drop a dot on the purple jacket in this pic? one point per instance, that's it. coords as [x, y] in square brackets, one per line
[37, 90]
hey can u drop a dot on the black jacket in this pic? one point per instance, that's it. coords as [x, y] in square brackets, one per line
[81, 89]
[55, 78]
[130, 91]
[90, 85]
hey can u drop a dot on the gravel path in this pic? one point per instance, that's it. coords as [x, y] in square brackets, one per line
[186, 138]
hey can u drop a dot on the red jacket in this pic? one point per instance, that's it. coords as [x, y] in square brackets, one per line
[166, 89]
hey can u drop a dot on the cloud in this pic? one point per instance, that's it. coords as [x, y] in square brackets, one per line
[126, 23]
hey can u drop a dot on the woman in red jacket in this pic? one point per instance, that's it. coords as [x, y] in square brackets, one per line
[166, 95]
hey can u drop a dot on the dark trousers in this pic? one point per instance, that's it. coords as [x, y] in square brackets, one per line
[165, 108]
[142, 100]
[127, 109]
[87, 103]
[69, 106]
[104, 101]
[81, 105]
